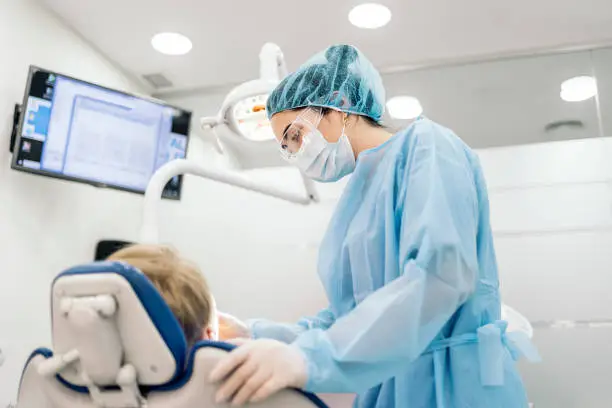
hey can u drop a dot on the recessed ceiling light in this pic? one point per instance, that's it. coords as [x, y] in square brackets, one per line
[578, 89]
[404, 107]
[171, 43]
[370, 16]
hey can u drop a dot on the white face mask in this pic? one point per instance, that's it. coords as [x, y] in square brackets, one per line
[317, 158]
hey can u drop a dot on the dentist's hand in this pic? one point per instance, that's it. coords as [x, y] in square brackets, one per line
[232, 328]
[257, 369]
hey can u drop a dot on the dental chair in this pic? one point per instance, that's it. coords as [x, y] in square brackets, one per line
[118, 345]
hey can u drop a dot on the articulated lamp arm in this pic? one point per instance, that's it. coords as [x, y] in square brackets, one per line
[150, 225]
[272, 66]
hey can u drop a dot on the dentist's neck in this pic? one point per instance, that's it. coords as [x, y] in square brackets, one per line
[363, 136]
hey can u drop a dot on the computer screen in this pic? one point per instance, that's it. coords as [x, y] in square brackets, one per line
[79, 131]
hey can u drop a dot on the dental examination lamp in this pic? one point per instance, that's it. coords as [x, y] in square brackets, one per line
[241, 130]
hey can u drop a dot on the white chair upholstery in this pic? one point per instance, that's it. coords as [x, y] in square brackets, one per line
[116, 344]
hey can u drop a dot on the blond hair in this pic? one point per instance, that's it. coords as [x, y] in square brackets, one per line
[179, 281]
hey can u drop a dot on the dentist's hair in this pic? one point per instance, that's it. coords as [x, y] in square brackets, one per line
[340, 78]
[179, 281]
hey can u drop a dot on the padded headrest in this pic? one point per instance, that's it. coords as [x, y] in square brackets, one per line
[152, 339]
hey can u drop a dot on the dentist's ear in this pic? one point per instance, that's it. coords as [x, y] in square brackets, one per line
[344, 102]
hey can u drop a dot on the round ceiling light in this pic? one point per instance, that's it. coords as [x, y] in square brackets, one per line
[579, 89]
[404, 107]
[171, 43]
[370, 16]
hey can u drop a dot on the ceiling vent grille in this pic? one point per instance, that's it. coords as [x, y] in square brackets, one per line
[158, 81]
[571, 124]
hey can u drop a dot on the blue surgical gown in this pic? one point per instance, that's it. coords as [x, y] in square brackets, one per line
[409, 269]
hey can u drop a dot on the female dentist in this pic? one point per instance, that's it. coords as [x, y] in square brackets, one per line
[407, 263]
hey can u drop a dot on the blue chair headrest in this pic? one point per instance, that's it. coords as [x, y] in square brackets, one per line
[160, 314]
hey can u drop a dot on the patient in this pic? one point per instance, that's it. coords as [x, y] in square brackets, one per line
[180, 283]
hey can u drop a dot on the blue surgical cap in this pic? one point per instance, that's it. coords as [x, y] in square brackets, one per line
[340, 77]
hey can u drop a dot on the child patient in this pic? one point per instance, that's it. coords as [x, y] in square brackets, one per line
[180, 283]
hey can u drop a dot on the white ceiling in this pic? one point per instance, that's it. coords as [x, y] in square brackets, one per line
[493, 103]
[227, 34]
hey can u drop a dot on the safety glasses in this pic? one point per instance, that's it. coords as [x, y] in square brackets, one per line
[293, 138]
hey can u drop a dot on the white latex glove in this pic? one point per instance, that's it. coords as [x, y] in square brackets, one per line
[257, 369]
[231, 327]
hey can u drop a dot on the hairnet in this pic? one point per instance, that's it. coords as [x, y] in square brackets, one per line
[340, 77]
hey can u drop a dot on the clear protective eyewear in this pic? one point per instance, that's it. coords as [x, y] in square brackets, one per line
[293, 137]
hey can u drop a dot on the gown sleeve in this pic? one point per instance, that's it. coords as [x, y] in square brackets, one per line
[437, 252]
[286, 332]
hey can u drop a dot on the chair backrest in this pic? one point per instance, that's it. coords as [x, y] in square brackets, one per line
[117, 344]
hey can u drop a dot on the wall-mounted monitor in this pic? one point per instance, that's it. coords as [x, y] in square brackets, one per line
[75, 130]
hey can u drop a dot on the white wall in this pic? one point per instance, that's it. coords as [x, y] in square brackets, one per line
[552, 219]
[45, 225]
